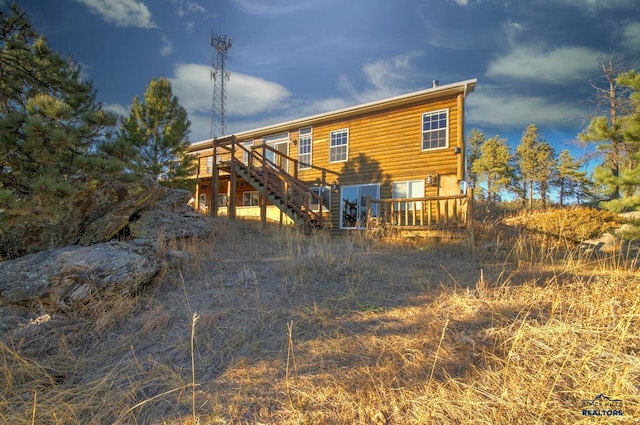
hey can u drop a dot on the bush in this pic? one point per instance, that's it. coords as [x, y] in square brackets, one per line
[574, 224]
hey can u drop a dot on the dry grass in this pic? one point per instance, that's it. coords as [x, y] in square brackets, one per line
[299, 329]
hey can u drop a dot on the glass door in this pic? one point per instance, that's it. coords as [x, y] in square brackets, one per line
[354, 208]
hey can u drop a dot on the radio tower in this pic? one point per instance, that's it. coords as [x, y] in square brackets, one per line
[222, 44]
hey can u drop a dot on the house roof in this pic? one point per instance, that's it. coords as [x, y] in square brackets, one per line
[463, 87]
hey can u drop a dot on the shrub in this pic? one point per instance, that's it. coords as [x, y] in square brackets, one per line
[574, 224]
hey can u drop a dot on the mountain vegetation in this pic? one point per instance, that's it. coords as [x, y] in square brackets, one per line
[59, 147]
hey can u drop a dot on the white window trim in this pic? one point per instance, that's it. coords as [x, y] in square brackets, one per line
[302, 166]
[319, 190]
[330, 147]
[408, 203]
[446, 146]
[245, 156]
[210, 165]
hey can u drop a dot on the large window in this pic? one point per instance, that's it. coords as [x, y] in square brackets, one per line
[339, 145]
[408, 189]
[435, 129]
[251, 199]
[304, 148]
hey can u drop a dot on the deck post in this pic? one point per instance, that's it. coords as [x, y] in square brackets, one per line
[265, 181]
[233, 181]
[470, 228]
[215, 179]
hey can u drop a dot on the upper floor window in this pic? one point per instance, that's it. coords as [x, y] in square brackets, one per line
[339, 145]
[304, 148]
[245, 153]
[209, 164]
[435, 129]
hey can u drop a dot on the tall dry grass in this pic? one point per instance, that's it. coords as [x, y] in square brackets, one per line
[297, 329]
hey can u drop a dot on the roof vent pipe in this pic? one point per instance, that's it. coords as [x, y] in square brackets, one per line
[435, 83]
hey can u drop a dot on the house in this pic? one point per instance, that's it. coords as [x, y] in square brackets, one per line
[400, 161]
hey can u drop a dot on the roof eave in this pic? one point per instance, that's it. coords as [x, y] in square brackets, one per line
[464, 87]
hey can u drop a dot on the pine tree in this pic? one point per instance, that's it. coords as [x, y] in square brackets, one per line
[50, 124]
[612, 103]
[475, 141]
[536, 161]
[157, 130]
[494, 166]
[630, 124]
[569, 180]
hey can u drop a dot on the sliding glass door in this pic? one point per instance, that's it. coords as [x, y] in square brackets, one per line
[354, 208]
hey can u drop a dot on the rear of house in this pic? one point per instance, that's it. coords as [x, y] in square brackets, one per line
[400, 159]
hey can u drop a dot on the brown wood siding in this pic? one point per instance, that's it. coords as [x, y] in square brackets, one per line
[385, 146]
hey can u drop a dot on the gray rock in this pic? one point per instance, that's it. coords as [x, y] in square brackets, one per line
[175, 200]
[74, 273]
[165, 225]
[116, 217]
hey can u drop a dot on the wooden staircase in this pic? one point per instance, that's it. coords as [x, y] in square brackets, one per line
[288, 193]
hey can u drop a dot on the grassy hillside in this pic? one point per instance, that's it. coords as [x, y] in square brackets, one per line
[271, 326]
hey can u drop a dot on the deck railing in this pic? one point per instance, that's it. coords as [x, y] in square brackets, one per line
[434, 212]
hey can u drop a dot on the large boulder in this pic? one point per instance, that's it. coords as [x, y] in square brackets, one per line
[94, 216]
[107, 222]
[125, 247]
[74, 273]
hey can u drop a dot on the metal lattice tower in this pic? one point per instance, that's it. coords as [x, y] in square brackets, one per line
[222, 44]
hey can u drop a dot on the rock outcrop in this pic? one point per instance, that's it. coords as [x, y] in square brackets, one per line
[117, 251]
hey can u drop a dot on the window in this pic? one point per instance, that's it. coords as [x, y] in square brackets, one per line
[245, 155]
[209, 164]
[338, 146]
[435, 129]
[325, 194]
[408, 189]
[250, 199]
[304, 148]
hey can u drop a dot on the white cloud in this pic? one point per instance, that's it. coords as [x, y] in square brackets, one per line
[122, 13]
[592, 6]
[462, 2]
[271, 7]
[631, 37]
[384, 77]
[190, 26]
[246, 95]
[116, 108]
[556, 66]
[185, 7]
[494, 106]
[167, 47]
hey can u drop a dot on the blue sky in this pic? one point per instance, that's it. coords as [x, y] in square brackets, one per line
[534, 59]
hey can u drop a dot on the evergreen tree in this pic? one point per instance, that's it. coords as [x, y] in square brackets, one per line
[612, 103]
[494, 166]
[155, 134]
[475, 141]
[569, 180]
[536, 161]
[630, 174]
[50, 124]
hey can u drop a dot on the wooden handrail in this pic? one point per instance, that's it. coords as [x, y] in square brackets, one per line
[301, 196]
